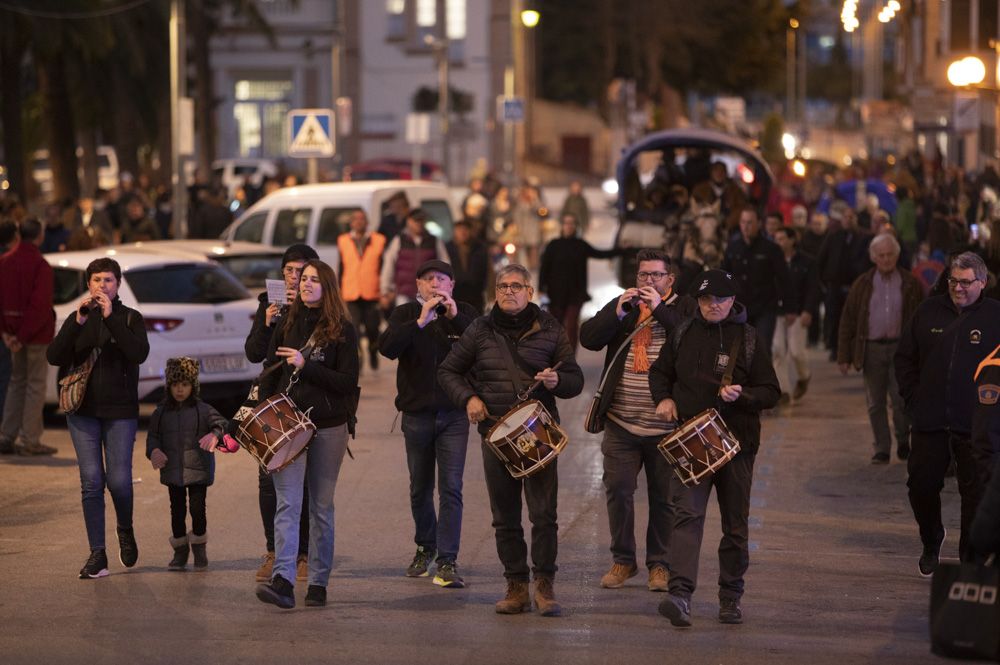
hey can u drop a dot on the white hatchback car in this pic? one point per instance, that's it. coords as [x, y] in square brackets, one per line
[250, 262]
[191, 307]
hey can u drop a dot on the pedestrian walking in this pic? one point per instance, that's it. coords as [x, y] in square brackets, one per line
[360, 264]
[183, 434]
[792, 329]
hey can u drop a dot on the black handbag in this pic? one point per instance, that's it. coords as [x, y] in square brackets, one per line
[965, 614]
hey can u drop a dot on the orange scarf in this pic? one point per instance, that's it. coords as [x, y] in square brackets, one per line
[642, 339]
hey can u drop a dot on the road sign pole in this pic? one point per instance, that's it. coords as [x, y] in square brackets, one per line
[312, 171]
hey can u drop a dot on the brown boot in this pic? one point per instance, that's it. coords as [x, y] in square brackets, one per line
[516, 600]
[545, 598]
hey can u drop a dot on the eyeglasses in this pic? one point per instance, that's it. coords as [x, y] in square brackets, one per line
[964, 283]
[655, 276]
[511, 288]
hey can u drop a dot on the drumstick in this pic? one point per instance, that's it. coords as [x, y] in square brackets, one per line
[535, 385]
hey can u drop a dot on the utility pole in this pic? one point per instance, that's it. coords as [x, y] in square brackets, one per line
[178, 218]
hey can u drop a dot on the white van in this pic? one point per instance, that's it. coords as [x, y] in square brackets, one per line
[107, 168]
[317, 214]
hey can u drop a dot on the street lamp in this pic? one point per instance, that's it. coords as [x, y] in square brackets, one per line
[440, 47]
[530, 17]
[966, 72]
[793, 25]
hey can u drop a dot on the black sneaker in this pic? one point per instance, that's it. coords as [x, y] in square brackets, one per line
[316, 596]
[278, 591]
[96, 566]
[929, 558]
[6, 447]
[880, 458]
[903, 451]
[447, 576]
[730, 611]
[128, 551]
[677, 609]
[421, 562]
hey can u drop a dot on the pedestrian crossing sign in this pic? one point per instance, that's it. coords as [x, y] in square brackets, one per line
[311, 133]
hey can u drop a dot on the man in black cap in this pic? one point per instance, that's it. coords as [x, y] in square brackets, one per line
[436, 432]
[264, 324]
[713, 360]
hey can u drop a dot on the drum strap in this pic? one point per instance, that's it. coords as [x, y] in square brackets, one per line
[508, 358]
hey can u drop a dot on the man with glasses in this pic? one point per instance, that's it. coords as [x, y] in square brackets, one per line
[939, 351]
[478, 376]
[631, 428]
[265, 321]
[714, 360]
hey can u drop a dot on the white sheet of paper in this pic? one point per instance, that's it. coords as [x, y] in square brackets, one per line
[276, 291]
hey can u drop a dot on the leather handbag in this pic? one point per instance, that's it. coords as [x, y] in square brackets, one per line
[965, 612]
[593, 422]
[73, 386]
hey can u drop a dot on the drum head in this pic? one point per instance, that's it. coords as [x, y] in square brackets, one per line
[287, 453]
[515, 419]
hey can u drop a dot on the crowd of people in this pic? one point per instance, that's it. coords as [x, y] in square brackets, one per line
[715, 325]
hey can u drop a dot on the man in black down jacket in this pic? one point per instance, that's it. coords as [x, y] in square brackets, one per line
[935, 364]
[268, 317]
[684, 381]
[476, 375]
[436, 432]
[631, 428]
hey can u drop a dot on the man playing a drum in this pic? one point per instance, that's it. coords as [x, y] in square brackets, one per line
[714, 360]
[631, 428]
[497, 357]
[420, 335]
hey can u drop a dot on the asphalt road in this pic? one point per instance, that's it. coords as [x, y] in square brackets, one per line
[832, 579]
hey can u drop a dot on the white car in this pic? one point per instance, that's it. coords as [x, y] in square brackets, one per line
[191, 307]
[107, 168]
[250, 262]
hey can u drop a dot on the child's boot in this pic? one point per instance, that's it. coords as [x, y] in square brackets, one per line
[181, 549]
[198, 549]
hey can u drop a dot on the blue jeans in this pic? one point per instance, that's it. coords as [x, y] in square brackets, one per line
[104, 451]
[321, 465]
[442, 438]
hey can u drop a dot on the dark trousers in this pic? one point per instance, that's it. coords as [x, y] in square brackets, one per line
[625, 454]
[366, 316]
[569, 317]
[732, 487]
[836, 296]
[195, 496]
[765, 323]
[437, 439]
[930, 455]
[540, 491]
[268, 500]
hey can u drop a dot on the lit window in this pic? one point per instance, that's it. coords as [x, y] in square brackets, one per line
[455, 18]
[395, 6]
[426, 13]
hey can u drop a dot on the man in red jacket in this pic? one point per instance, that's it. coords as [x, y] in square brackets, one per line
[27, 324]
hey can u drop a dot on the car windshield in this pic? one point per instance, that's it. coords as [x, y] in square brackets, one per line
[252, 269]
[191, 283]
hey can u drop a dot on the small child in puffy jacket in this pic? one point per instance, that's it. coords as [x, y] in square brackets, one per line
[183, 434]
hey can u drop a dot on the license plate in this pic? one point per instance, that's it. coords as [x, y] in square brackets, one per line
[230, 362]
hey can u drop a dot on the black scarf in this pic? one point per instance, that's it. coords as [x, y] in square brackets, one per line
[514, 325]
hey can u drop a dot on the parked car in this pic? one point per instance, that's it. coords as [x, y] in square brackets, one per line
[191, 307]
[250, 262]
[392, 169]
[318, 214]
[107, 168]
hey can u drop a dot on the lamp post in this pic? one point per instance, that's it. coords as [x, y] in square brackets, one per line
[793, 25]
[440, 47]
[178, 220]
[967, 74]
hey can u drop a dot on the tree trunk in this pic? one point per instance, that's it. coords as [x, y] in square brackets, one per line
[204, 90]
[12, 48]
[125, 130]
[58, 120]
[88, 143]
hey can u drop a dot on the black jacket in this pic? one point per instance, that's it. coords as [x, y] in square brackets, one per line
[420, 351]
[937, 357]
[328, 379]
[563, 272]
[691, 378]
[113, 387]
[176, 429]
[476, 366]
[843, 258]
[260, 334]
[985, 532]
[605, 330]
[761, 273]
[803, 285]
[470, 277]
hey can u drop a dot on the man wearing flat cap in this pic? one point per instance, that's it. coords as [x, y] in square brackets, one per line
[713, 360]
[420, 334]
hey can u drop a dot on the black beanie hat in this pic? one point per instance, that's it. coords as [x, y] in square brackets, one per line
[299, 252]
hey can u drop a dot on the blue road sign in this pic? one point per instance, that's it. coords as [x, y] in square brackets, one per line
[311, 133]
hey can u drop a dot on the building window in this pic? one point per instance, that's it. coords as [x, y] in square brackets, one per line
[396, 19]
[455, 21]
[259, 112]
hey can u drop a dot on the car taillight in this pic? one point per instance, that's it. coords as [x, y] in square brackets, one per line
[162, 325]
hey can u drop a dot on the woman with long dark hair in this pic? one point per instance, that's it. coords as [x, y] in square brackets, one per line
[319, 347]
[103, 427]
